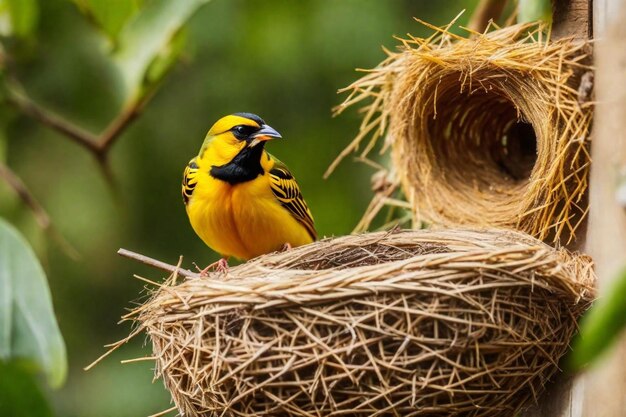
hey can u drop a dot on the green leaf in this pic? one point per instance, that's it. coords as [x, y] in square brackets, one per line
[151, 34]
[601, 326]
[534, 10]
[21, 17]
[20, 395]
[109, 15]
[165, 60]
[28, 328]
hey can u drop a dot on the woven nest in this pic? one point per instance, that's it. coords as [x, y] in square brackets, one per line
[489, 130]
[412, 323]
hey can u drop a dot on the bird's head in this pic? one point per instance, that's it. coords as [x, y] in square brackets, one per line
[232, 133]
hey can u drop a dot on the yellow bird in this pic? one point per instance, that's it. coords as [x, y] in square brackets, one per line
[240, 200]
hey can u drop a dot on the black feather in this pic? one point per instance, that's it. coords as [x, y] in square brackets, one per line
[251, 116]
[245, 166]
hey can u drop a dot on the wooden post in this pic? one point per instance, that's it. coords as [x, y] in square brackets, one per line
[605, 386]
[602, 391]
[571, 18]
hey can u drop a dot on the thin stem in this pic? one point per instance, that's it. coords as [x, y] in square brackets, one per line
[98, 145]
[41, 216]
[157, 264]
[107, 173]
[13, 181]
[164, 412]
[116, 128]
[486, 11]
[33, 110]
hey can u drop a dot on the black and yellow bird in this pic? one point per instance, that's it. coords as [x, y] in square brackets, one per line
[240, 200]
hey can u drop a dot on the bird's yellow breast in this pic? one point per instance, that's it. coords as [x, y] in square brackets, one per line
[243, 220]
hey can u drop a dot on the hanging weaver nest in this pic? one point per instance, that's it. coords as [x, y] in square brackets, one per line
[489, 130]
[406, 323]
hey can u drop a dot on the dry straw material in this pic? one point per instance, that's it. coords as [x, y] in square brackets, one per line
[401, 323]
[485, 130]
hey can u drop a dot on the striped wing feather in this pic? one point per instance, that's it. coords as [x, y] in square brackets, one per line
[288, 193]
[190, 179]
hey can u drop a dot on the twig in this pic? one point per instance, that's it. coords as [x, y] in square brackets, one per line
[41, 216]
[113, 347]
[29, 108]
[117, 127]
[98, 145]
[486, 11]
[157, 264]
[164, 412]
[24, 194]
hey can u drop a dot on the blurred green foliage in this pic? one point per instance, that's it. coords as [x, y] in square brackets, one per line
[20, 395]
[533, 10]
[18, 17]
[281, 59]
[109, 15]
[149, 44]
[601, 326]
[28, 328]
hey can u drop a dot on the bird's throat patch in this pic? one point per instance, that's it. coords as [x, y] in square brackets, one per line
[245, 166]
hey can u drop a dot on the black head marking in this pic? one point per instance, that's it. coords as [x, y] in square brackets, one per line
[246, 165]
[243, 132]
[251, 116]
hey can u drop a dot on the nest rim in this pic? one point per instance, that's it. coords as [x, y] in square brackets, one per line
[277, 287]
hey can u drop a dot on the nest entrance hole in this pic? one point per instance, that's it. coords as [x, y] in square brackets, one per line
[482, 138]
[486, 130]
[519, 150]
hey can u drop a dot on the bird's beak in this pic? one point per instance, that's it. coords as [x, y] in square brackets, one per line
[264, 134]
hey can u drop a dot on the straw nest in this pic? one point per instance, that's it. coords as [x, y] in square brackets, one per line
[488, 130]
[406, 323]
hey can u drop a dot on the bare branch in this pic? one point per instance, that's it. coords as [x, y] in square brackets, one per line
[41, 216]
[98, 145]
[116, 128]
[28, 107]
[157, 264]
[485, 11]
[24, 194]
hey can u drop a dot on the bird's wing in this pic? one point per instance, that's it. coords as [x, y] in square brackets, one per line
[287, 191]
[189, 180]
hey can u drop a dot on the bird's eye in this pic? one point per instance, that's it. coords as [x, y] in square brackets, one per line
[241, 132]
